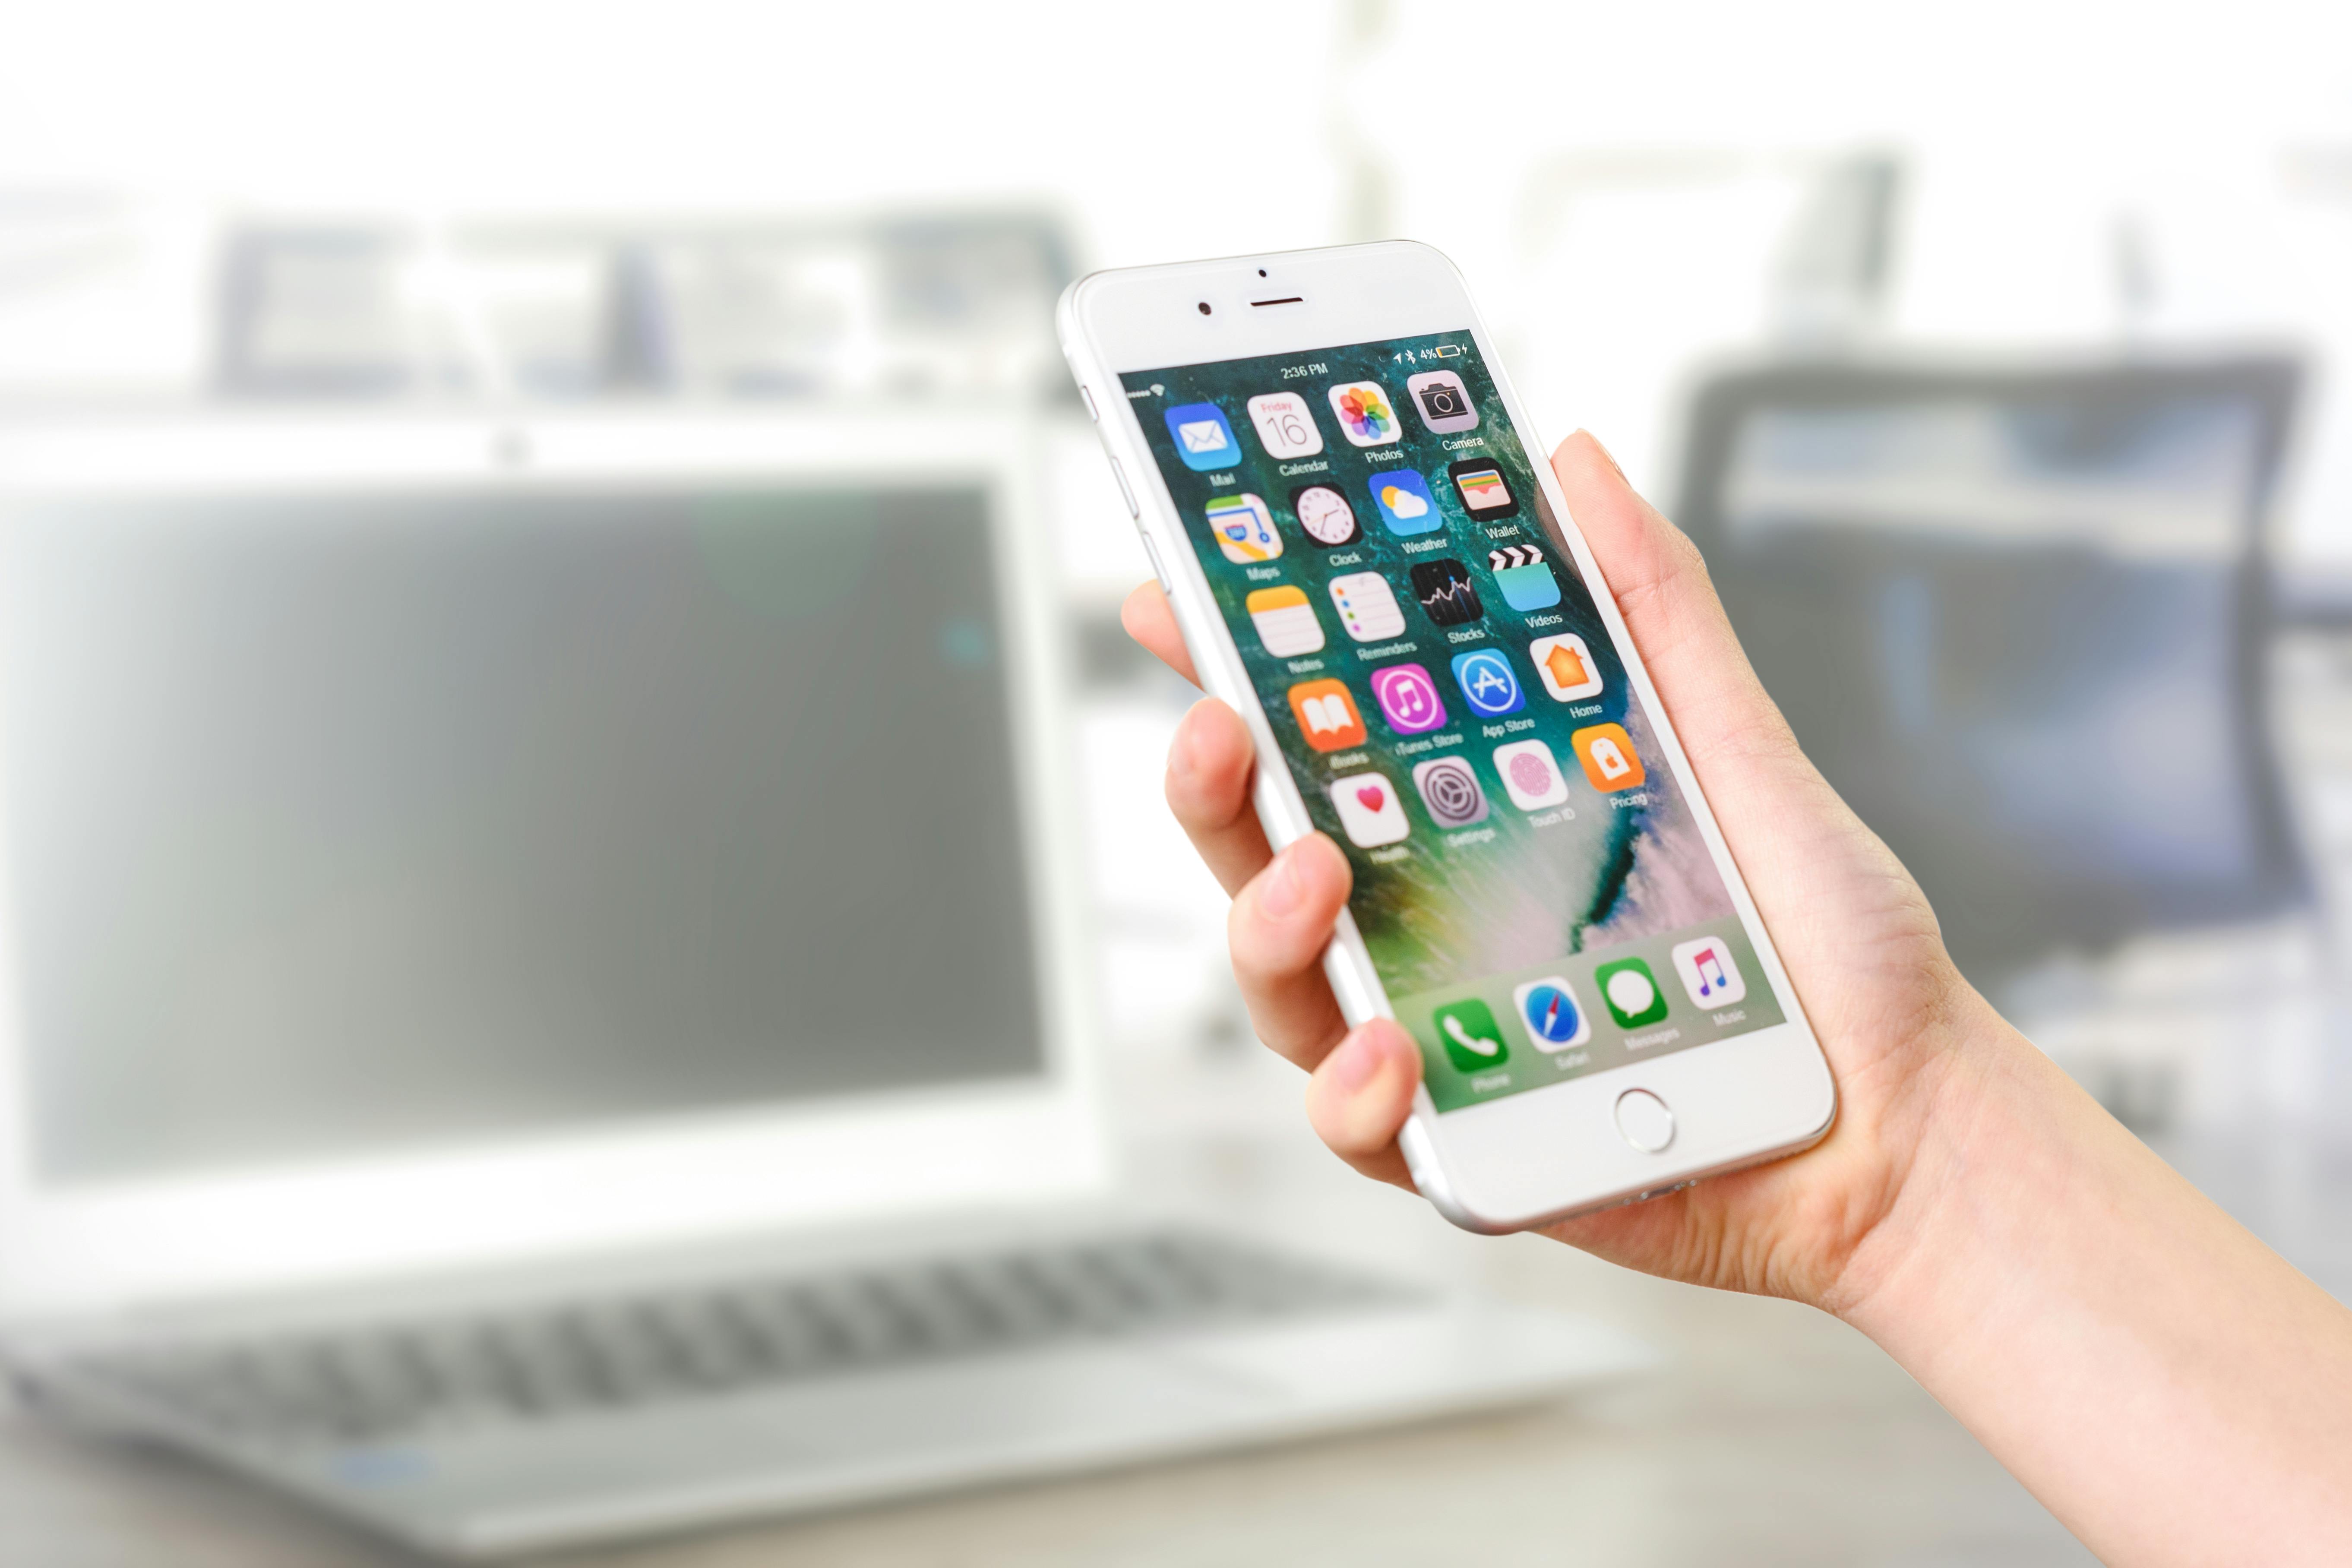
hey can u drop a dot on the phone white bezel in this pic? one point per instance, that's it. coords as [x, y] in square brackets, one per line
[1541, 1154]
[184, 1239]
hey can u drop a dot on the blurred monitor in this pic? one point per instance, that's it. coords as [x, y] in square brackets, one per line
[2018, 618]
[344, 821]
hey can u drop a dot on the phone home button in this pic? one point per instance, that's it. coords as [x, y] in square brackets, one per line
[1645, 1120]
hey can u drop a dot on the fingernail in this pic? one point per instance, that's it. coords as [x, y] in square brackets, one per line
[1180, 761]
[1605, 452]
[1354, 1063]
[1282, 892]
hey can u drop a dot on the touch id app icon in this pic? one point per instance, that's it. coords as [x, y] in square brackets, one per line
[1709, 973]
[1567, 667]
[1487, 683]
[1406, 503]
[1408, 698]
[1547, 1007]
[1245, 529]
[1203, 440]
[1610, 761]
[1368, 606]
[1467, 1031]
[1366, 416]
[1327, 715]
[1449, 789]
[1285, 424]
[1285, 620]
[1369, 810]
[1631, 992]
[1530, 775]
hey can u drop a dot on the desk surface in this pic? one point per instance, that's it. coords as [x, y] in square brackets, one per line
[1773, 1434]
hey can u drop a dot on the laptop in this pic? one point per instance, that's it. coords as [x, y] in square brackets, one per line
[546, 989]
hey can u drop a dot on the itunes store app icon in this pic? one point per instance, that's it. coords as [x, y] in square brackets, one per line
[1408, 698]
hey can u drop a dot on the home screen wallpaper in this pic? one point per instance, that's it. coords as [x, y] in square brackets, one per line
[1529, 881]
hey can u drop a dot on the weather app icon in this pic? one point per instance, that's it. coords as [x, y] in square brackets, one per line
[1405, 502]
[1487, 683]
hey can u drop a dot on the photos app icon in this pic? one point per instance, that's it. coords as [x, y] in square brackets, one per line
[1366, 415]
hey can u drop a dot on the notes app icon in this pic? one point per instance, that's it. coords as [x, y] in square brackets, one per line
[1285, 620]
[1327, 715]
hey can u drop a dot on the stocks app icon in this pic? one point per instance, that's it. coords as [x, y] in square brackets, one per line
[1445, 591]
[1450, 790]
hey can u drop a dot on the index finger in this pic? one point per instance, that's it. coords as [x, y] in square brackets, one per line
[1150, 621]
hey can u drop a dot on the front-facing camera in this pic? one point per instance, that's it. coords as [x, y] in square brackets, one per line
[1204, 307]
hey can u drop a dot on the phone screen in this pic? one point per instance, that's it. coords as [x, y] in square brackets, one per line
[1530, 882]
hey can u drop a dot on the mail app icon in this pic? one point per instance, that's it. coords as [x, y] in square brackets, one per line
[1203, 440]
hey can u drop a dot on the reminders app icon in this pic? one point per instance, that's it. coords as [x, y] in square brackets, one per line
[1203, 440]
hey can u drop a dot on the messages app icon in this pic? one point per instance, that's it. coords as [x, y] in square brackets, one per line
[1203, 440]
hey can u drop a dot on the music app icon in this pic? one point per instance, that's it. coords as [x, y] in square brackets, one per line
[1408, 698]
[1709, 972]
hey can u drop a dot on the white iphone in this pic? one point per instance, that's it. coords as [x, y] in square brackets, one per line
[1372, 561]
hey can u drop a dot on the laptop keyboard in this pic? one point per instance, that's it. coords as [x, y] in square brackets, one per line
[398, 1380]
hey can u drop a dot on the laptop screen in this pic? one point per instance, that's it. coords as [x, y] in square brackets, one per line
[338, 826]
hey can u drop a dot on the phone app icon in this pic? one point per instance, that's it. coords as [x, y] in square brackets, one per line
[1631, 992]
[1445, 591]
[1467, 1029]
[1484, 493]
[1325, 515]
[1567, 667]
[1547, 1007]
[1286, 425]
[1368, 606]
[1366, 416]
[1245, 529]
[1327, 715]
[1444, 401]
[1488, 683]
[1530, 775]
[1369, 810]
[1285, 620]
[1406, 503]
[1203, 440]
[1450, 790]
[1709, 973]
[1609, 759]
[1408, 697]
[1526, 581]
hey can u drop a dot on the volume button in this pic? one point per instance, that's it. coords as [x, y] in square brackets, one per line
[1127, 495]
[1089, 398]
[1157, 569]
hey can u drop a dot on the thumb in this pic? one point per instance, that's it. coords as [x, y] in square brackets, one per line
[1720, 709]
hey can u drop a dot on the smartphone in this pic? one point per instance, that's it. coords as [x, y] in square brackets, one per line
[1370, 562]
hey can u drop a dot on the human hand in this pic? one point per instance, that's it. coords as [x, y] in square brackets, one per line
[1858, 939]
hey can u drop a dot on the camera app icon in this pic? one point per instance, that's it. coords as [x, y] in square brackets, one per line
[1444, 402]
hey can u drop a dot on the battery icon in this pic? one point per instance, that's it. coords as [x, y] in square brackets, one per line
[1448, 351]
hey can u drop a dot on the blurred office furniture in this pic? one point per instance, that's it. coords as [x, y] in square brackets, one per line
[910, 305]
[2019, 617]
